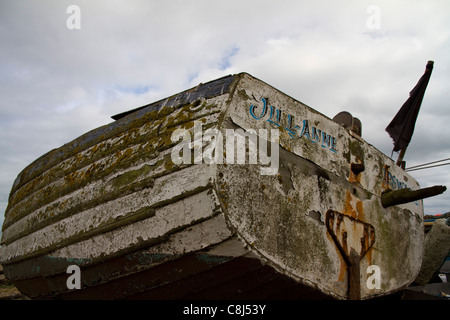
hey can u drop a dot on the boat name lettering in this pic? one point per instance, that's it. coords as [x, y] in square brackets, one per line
[392, 181]
[304, 130]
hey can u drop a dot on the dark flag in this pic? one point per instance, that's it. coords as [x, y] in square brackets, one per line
[401, 127]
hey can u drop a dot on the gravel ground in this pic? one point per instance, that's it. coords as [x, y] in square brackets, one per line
[7, 290]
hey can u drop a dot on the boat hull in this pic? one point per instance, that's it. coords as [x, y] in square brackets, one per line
[144, 211]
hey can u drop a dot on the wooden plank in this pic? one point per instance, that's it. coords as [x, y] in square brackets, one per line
[91, 224]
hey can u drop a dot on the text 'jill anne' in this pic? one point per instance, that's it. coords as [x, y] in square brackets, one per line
[304, 130]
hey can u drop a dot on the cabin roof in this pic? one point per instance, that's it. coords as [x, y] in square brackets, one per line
[203, 90]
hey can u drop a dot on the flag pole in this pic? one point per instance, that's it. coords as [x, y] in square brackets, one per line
[400, 161]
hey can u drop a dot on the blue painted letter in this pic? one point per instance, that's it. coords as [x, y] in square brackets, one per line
[263, 113]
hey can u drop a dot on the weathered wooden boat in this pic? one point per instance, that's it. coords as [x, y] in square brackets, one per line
[143, 211]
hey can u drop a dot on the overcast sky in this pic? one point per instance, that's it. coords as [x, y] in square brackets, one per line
[57, 82]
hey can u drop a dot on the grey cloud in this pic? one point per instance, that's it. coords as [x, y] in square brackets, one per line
[56, 83]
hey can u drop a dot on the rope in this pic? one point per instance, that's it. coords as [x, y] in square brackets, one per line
[427, 165]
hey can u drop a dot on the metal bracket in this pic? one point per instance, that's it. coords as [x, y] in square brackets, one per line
[353, 239]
